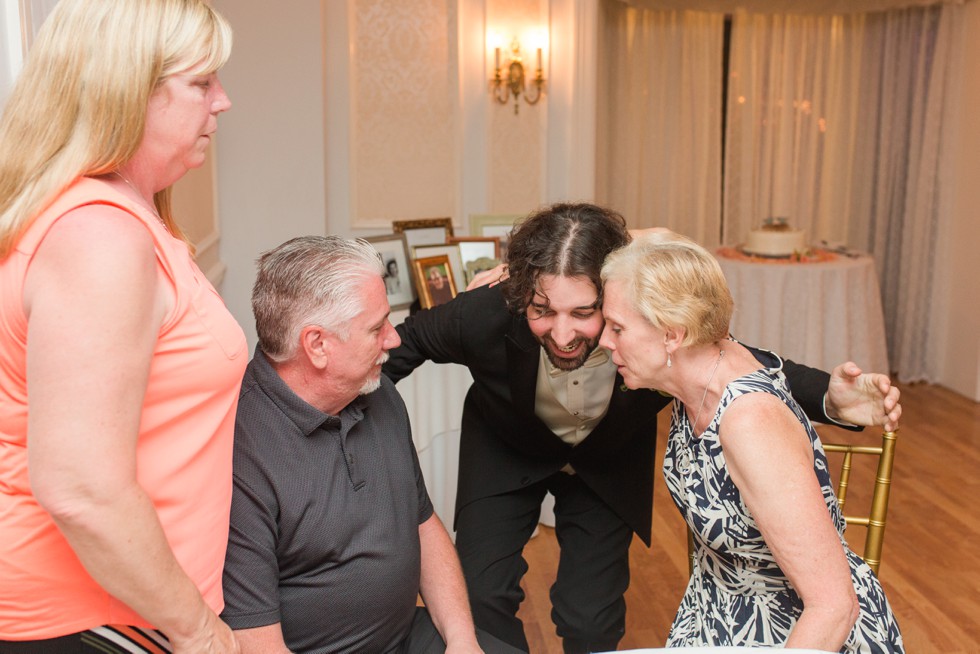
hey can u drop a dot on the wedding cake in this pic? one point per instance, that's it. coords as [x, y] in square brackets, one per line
[775, 239]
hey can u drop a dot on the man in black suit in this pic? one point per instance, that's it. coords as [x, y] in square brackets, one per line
[548, 412]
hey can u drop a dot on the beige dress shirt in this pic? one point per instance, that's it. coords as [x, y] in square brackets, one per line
[572, 402]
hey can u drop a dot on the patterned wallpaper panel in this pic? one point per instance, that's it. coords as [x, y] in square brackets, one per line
[516, 141]
[404, 115]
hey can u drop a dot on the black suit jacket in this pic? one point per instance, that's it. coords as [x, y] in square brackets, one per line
[505, 446]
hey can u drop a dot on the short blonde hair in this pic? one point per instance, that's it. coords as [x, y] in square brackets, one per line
[673, 282]
[79, 105]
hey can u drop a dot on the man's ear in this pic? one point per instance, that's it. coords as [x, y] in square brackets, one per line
[316, 343]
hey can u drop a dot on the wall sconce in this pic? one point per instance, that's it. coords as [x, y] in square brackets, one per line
[502, 88]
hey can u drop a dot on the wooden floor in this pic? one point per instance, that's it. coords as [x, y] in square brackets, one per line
[931, 561]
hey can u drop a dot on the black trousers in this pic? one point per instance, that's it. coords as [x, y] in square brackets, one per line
[588, 608]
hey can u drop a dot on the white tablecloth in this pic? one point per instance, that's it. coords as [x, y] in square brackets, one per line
[818, 314]
[434, 397]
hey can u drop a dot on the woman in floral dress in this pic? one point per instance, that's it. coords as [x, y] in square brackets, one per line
[743, 464]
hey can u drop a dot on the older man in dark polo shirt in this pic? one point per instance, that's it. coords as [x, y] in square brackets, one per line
[333, 536]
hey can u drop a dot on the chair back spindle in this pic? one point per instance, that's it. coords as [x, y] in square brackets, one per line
[876, 518]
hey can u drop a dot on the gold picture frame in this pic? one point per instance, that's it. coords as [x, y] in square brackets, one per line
[424, 231]
[452, 251]
[434, 280]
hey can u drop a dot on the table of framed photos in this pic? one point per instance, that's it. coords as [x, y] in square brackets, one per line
[822, 311]
[428, 263]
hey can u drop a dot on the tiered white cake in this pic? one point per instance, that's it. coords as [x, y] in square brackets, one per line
[775, 239]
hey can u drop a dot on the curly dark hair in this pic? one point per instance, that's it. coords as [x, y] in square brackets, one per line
[570, 240]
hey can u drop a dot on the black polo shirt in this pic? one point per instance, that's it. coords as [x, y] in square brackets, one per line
[324, 518]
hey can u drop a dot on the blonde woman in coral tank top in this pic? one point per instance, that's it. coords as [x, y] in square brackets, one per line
[119, 364]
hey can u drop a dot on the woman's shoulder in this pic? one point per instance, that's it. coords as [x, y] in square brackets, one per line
[94, 200]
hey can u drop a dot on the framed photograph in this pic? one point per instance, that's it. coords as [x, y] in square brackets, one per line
[425, 231]
[399, 277]
[455, 260]
[434, 280]
[476, 266]
[499, 225]
[473, 249]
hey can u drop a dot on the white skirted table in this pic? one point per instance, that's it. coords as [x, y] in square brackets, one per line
[434, 396]
[820, 313]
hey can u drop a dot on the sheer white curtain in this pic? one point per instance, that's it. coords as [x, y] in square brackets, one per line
[659, 118]
[794, 86]
[835, 122]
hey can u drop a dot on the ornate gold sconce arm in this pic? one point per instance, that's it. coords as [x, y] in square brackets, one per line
[514, 84]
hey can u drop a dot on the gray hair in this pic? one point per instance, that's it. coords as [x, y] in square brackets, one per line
[310, 280]
[673, 282]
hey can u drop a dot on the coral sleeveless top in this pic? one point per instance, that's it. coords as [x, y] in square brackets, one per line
[183, 454]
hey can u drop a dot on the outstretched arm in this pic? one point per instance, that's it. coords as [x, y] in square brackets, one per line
[862, 398]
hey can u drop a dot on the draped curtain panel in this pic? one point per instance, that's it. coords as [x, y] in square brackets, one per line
[793, 114]
[659, 118]
[907, 146]
[785, 6]
[835, 123]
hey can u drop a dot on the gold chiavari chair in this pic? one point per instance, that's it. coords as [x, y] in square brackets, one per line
[875, 520]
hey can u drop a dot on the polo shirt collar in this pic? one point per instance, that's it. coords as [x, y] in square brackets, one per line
[307, 418]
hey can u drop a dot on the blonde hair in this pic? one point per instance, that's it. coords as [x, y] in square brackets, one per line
[79, 105]
[673, 282]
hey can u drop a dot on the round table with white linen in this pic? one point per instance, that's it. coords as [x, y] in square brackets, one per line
[819, 313]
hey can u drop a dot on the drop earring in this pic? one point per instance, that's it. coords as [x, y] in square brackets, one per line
[669, 362]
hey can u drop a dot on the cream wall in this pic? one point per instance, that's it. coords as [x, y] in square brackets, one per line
[270, 145]
[516, 145]
[412, 132]
[405, 162]
[959, 257]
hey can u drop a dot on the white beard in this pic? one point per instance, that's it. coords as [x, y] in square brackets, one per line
[372, 385]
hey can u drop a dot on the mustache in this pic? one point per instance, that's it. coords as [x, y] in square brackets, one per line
[382, 359]
[572, 343]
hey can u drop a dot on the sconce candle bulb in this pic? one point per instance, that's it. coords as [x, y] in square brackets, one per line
[513, 84]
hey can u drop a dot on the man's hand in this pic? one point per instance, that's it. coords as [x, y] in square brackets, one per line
[493, 277]
[863, 399]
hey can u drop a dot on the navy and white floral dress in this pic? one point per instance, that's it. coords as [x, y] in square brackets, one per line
[737, 594]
